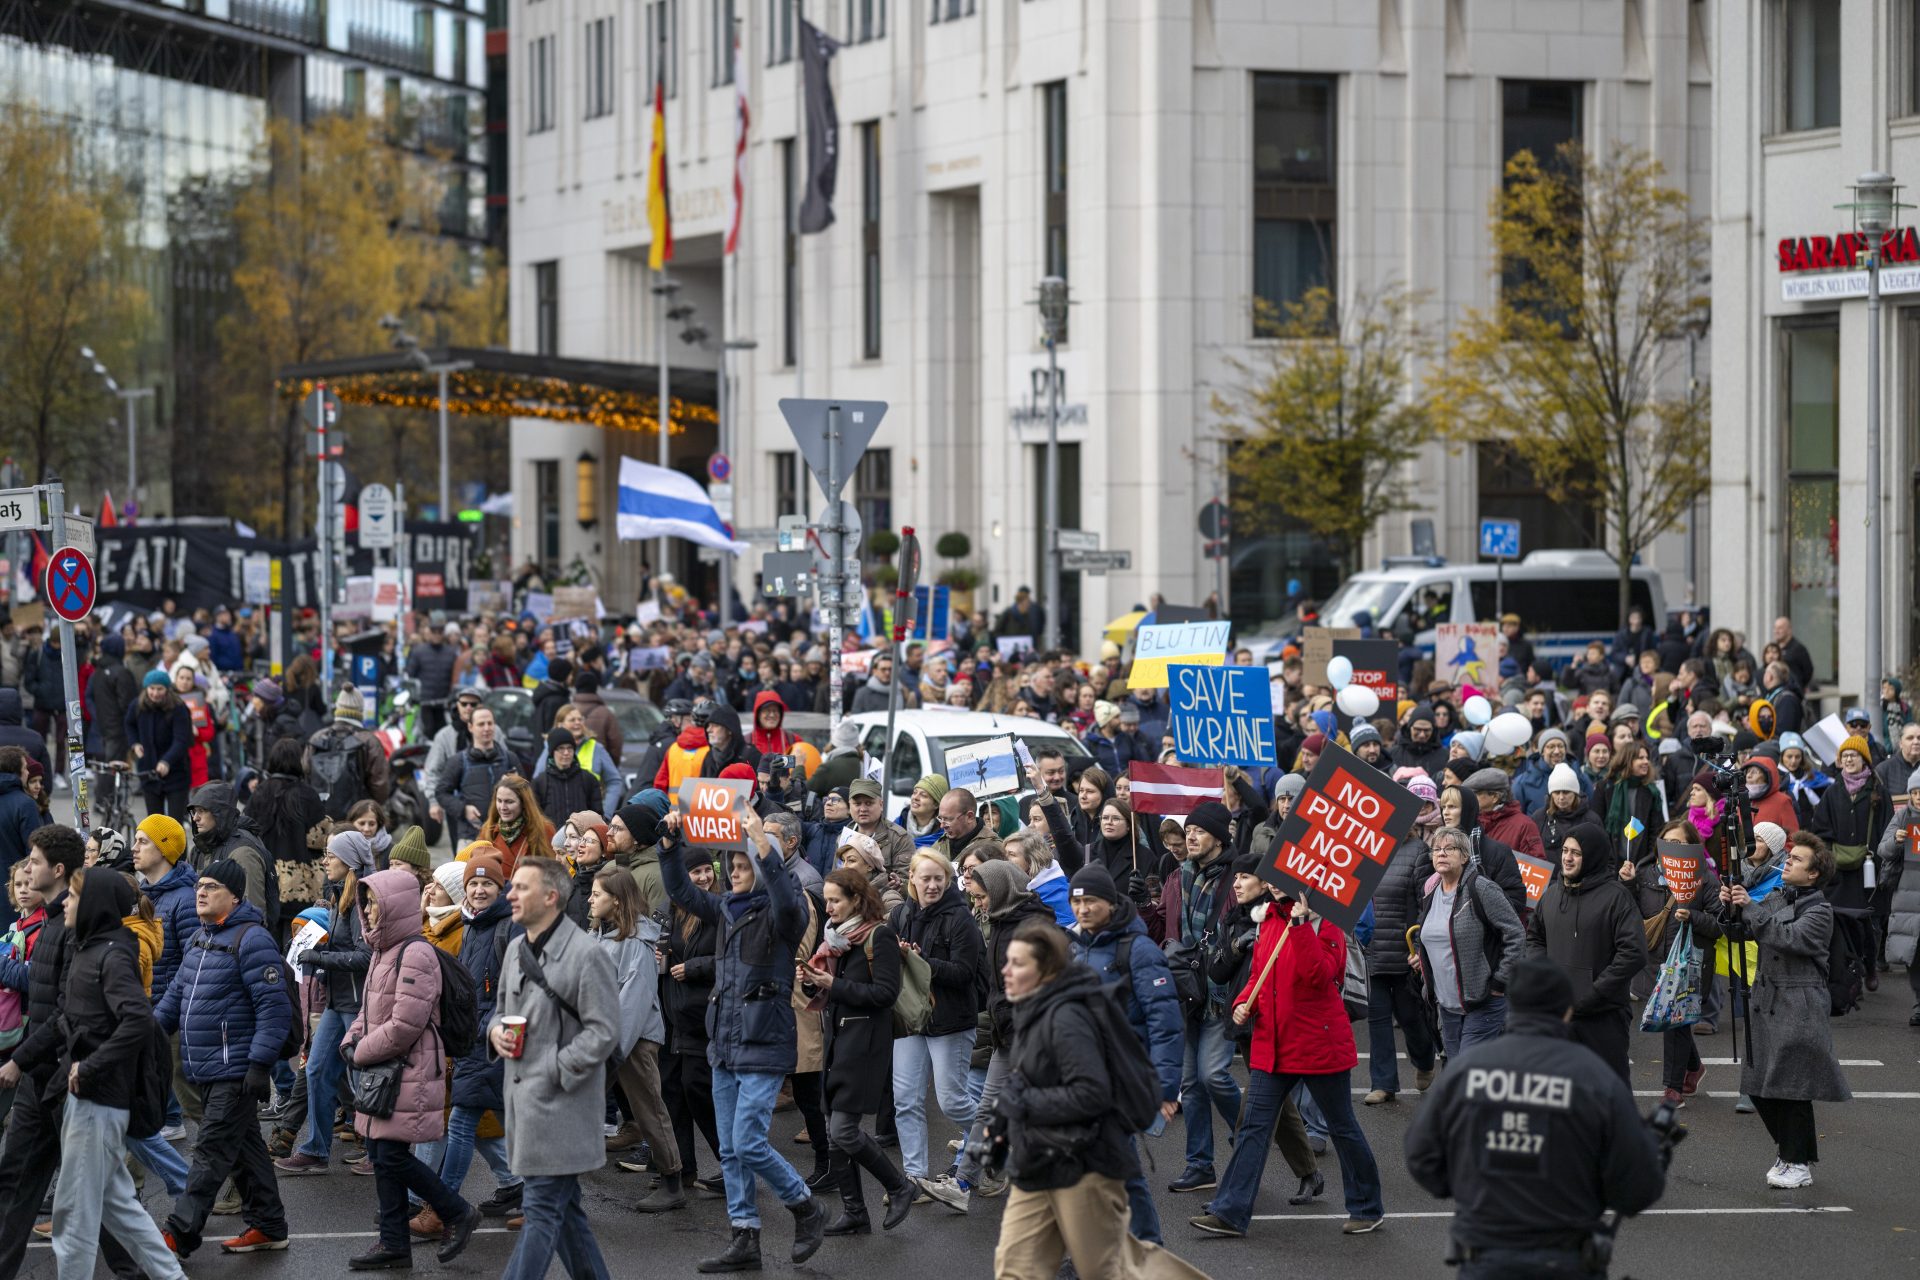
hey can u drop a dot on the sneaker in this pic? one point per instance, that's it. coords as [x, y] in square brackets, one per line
[363, 1166]
[948, 1191]
[960, 1144]
[626, 1137]
[1705, 1029]
[302, 1163]
[1673, 1098]
[1744, 1107]
[1194, 1179]
[228, 1205]
[1690, 1082]
[991, 1188]
[1215, 1226]
[174, 1133]
[920, 1193]
[173, 1246]
[1377, 1097]
[1789, 1176]
[713, 1184]
[253, 1241]
[1360, 1226]
[280, 1145]
[633, 1166]
[43, 1229]
[1778, 1165]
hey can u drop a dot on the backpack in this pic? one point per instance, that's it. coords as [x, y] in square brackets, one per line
[459, 1014]
[913, 1007]
[1136, 1089]
[279, 975]
[1846, 978]
[336, 773]
[152, 1085]
[1353, 983]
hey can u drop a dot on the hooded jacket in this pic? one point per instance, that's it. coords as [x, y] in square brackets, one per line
[737, 751]
[1153, 1007]
[399, 1018]
[563, 792]
[172, 897]
[1485, 934]
[14, 733]
[1492, 856]
[1009, 905]
[229, 839]
[1591, 928]
[777, 740]
[1772, 805]
[683, 761]
[229, 1000]
[950, 943]
[1300, 1025]
[478, 1079]
[1396, 904]
[1069, 1091]
[1510, 825]
[105, 1017]
[1430, 758]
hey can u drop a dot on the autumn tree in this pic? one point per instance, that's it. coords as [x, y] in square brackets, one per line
[1579, 364]
[1323, 426]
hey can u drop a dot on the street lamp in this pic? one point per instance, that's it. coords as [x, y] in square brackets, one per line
[404, 341]
[1876, 212]
[127, 396]
[1053, 323]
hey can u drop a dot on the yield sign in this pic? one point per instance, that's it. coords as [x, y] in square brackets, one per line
[859, 419]
[70, 584]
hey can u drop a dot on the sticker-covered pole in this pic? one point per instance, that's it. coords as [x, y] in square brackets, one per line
[77, 775]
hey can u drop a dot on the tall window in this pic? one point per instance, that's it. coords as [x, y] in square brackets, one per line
[599, 77]
[546, 308]
[663, 45]
[723, 41]
[780, 31]
[460, 50]
[1812, 408]
[546, 509]
[873, 489]
[866, 20]
[790, 252]
[1053, 110]
[789, 485]
[540, 84]
[950, 10]
[1540, 117]
[870, 240]
[1807, 60]
[1293, 186]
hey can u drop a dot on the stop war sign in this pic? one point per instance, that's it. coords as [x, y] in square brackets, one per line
[1340, 835]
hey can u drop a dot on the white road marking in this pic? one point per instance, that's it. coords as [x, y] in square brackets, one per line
[1845, 1062]
[1734, 1093]
[1647, 1213]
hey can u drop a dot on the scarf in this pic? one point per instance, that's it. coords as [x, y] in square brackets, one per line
[512, 831]
[1620, 804]
[436, 915]
[1855, 781]
[1704, 820]
[837, 940]
[923, 837]
[738, 904]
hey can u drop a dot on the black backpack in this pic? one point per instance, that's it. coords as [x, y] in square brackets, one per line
[459, 1020]
[1846, 978]
[1136, 1089]
[336, 773]
[152, 1084]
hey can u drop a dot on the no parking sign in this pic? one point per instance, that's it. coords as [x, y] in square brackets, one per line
[70, 585]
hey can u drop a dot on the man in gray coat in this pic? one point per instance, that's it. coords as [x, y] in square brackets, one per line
[563, 986]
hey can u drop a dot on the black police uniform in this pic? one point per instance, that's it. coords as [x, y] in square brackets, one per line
[1535, 1138]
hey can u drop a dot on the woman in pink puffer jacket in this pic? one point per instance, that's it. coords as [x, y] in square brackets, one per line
[399, 1016]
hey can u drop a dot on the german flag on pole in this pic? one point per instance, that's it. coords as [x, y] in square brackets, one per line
[659, 215]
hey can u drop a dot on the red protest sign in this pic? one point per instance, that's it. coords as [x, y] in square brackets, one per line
[1535, 872]
[1680, 864]
[1339, 837]
[713, 812]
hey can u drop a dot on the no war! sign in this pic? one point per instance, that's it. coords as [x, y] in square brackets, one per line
[713, 812]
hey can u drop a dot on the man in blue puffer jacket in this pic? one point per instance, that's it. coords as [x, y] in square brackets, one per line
[1112, 940]
[229, 1003]
[159, 857]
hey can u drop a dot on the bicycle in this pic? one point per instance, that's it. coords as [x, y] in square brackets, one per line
[113, 789]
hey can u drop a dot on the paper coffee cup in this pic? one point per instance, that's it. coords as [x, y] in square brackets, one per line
[516, 1027]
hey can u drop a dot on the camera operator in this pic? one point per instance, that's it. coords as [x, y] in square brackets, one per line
[1536, 1139]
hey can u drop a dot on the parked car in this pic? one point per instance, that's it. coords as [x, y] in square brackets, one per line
[921, 740]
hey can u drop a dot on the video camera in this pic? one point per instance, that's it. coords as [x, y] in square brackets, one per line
[1668, 1133]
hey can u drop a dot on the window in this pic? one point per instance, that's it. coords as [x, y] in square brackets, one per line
[1053, 99]
[873, 489]
[1509, 490]
[951, 10]
[780, 24]
[1811, 364]
[1068, 606]
[791, 497]
[723, 33]
[790, 252]
[663, 46]
[1807, 59]
[1293, 186]
[870, 240]
[540, 84]
[460, 50]
[356, 91]
[1568, 606]
[546, 308]
[866, 20]
[546, 510]
[599, 78]
[1540, 117]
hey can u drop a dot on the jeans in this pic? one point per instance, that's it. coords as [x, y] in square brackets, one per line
[1392, 998]
[1311, 1118]
[1360, 1177]
[1476, 1026]
[456, 1152]
[325, 1069]
[160, 1157]
[395, 1173]
[977, 1083]
[998, 1066]
[743, 1105]
[557, 1225]
[96, 1193]
[1526, 1264]
[1143, 1216]
[229, 1146]
[1206, 1076]
[915, 1058]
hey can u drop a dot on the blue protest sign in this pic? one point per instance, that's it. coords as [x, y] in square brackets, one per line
[932, 614]
[1221, 715]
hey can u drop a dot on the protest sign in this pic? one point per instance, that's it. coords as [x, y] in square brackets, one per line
[1535, 872]
[490, 595]
[1196, 643]
[1316, 646]
[574, 602]
[987, 768]
[1336, 843]
[1221, 715]
[652, 658]
[539, 604]
[386, 594]
[1168, 789]
[1680, 866]
[1467, 653]
[1824, 739]
[1376, 664]
[713, 812]
[647, 612]
[1011, 647]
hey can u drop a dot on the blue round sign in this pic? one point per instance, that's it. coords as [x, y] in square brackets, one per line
[719, 467]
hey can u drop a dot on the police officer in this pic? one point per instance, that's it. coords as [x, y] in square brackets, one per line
[1535, 1138]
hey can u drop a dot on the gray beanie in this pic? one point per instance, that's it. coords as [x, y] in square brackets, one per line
[1363, 732]
[1553, 735]
[1290, 784]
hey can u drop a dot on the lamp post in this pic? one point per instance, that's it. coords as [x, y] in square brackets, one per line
[127, 396]
[1876, 211]
[1053, 322]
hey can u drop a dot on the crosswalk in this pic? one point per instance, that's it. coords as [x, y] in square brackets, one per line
[1882, 1095]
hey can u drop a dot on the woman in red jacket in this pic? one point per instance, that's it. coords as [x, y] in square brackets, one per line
[1301, 1034]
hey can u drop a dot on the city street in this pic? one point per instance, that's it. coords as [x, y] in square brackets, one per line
[1859, 1219]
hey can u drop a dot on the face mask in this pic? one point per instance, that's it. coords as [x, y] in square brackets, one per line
[1755, 790]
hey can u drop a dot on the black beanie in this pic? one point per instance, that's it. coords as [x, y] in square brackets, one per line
[230, 875]
[560, 669]
[1538, 985]
[642, 823]
[587, 682]
[560, 738]
[1212, 817]
[1095, 881]
[1248, 864]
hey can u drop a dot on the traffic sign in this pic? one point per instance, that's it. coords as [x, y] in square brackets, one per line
[785, 573]
[1096, 561]
[719, 467]
[1500, 538]
[376, 517]
[1214, 521]
[80, 534]
[328, 403]
[807, 419]
[70, 584]
[20, 509]
[1076, 540]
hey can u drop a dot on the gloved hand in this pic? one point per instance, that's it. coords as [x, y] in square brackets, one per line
[1137, 889]
[259, 1083]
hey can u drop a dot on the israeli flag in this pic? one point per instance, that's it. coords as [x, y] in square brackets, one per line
[657, 502]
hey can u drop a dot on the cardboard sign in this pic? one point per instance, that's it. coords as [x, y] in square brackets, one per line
[713, 812]
[647, 613]
[1196, 643]
[1221, 715]
[1336, 843]
[1376, 664]
[1316, 646]
[1467, 653]
[1535, 872]
[575, 602]
[539, 604]
[1824, 739]
[988, 768]
[1680, 867]
[1011, 647]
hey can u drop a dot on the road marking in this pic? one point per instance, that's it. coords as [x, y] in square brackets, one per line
[325, 1235]
[1845, 1062]
[1645, 1213]
[1734, 1093]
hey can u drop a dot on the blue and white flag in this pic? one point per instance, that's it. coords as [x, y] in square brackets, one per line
[657, 502]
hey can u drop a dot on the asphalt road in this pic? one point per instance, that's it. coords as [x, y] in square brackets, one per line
[1860, 1219]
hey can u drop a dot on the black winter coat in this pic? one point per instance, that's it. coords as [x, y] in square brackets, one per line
[1396, 906]
[163, 734]
[479, 1078]
[859, 1025]
[106, 1018]
[950, 943]
[998, 1006]
[565, 792]
[1063, 1125]
[432, 665]
[1839, 818]
[14, 733]
[692, 942]
[1494, 858]
[1592, 930]
[344, 957]
[38, 1054]
[113, 690]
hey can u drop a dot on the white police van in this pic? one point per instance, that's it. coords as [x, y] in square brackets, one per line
[1564, 598]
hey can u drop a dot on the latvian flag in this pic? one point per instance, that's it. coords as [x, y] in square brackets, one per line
[1171, 788]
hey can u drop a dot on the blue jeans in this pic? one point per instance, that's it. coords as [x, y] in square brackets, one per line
[1143, 1216]
[1476, 1026]
[915, 1059]
[1206, 1076]
[556, 1225]
[1266, 1092]
[161, 1159]
[1310, 1114]
[1391, 997]
[325, 1067]
[743, 1107]
[976, 1085]
[1526, 1264]
[456, 1152]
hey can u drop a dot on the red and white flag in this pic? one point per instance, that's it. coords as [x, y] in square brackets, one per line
[737, 194]
[1171, 788]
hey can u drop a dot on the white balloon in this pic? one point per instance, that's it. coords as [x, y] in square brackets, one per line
[1357, 700]
[1477, 711]
[1508, 730]
[1339, 672]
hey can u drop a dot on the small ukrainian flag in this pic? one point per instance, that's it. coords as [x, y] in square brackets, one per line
[1633, 828]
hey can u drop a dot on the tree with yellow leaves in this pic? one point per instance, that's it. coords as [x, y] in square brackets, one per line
[1579, 366]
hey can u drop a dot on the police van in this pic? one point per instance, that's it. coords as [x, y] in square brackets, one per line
[1564, 598]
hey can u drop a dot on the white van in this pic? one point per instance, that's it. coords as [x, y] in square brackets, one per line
[1564, 598]
[921, 740]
